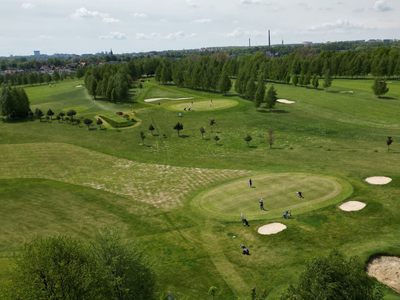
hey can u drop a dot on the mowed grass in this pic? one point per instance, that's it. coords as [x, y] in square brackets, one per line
[201, 105]
[58, 178]
[278, 192]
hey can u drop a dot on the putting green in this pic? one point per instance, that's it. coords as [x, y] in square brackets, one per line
[278, 192]
[202, 105]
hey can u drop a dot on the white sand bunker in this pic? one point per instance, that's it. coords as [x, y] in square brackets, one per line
[285, 101]
[378, 180]
[350, 92]
[271, 228]
[352, 206]
[79, 85]
[386, 269]
[156, 99]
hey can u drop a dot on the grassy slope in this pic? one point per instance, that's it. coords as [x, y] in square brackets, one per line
[324, 133]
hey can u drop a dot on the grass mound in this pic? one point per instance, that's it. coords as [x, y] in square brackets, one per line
[113, 123]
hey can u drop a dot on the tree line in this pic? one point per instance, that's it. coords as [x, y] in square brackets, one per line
[34, 78]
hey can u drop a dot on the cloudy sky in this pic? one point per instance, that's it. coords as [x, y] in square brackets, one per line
[55, 26]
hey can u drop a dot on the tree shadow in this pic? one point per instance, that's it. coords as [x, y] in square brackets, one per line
[218, 144]
[184, 136]
[207, 139]
[253, 147]
[156, 134]
[387, 98]
[277, 111]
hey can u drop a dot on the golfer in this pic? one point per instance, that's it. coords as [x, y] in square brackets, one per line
[261, 204]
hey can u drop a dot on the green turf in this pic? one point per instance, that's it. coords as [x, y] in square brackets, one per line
[58, 178]
[201, 105]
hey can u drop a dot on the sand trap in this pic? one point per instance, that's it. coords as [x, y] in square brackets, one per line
[352, 206]
[386, 269]
[342, 92]
[285, 101]
[378, 180]
[271, 228]
[156, 99]
[79, 85]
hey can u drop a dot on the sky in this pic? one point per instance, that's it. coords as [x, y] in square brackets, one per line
[126, 26]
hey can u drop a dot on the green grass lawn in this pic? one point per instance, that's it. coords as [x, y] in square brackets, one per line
[181, 197]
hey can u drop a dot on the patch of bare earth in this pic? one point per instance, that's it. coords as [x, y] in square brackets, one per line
[386, 269]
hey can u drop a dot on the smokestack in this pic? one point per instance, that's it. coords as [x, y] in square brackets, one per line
[249, 42]
[269, 39]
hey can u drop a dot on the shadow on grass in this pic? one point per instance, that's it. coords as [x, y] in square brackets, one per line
[253, 147]
[388, 98]
[220, 145]
[207, 139]
[184, 136]
[276, 111]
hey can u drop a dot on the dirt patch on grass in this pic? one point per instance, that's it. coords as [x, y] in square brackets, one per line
[78, 86]
[271, 228]
[386, 269]
[352, 206]
[378, 180]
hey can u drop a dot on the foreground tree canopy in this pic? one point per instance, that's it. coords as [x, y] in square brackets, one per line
[14, 103]
[65, 268]
[334, 278]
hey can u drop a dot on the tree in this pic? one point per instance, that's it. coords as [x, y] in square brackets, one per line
[47, 119]
[58, 118]
[71, 113]
[14, 103]
[327, 80]
[99, 122]
[178, 127]
[212, 122]
[151, 128]
[55, 268]
[389, 142]
[271, 98]
[129, 275]
[88, 122]
[78, 122]
[251, 89]
[114, 97]
[295, 79]
[260, 93]
[212, 291]
[307, 79]
[39, 114]
[225, 84]
[315, 82]
[271, 137]
[61, 114]
[379, 88]
[50, 113]
[248, 138]
[47, 77]
[142, 136]
[216, 139]
[202, 130]
[332, 278]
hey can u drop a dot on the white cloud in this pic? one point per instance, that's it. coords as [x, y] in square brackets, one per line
[381, 6]
[82, 13]
[202, 21]
[239, 32]
[142, 36]
[250, 1]
[111, 20]
[179, 34]
[191, 3]
[27, 5]
[340, 25]
[137, 15]
[114, 35]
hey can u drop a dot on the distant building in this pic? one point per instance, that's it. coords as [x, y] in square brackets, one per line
[307, 43]
[36, 53]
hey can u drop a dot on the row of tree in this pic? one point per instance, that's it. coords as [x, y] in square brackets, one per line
[34, 78]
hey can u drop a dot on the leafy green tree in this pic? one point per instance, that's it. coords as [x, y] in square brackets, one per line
[151, 128]
[14, 102]
[295, 79]
[55, 268]
[248, 139]
[56, 76]
[301, 79]
[225, 84]
[332, 278]
[251, 89]
[128, 273]
[271, 98]
[88, 122]
[39, 114]
[216, 139]
[202, 130]
[58, 118]
[99, 122]
[47, 77]
[287, 78]
[47, 119]
[315, 82]
[114, 97]
[379, 87]
[327, 80]
[62, 115]
[50, 113]
[307, 79]
[71, 113]
[178, 127]
[260, 93]
[142, 136]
